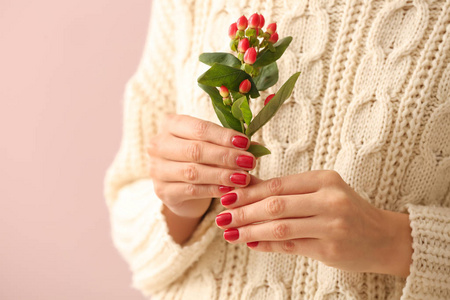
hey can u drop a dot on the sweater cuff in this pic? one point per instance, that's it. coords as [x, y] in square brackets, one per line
[141, 235]
[429, 272]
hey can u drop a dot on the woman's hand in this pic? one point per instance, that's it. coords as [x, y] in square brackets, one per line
[192, 161]
[316, 214]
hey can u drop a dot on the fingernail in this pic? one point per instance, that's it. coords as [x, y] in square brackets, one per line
[228, 199]
[252, 244]
[239, 178]
[239, 141]
[225, 189]
[223, 219]
[245, 161]
[231, 234]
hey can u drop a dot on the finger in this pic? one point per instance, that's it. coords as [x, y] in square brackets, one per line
[304, 247]
[191, 128]
[303, 183]
[175, 193]
[272, 208]
[176, 149]
[170, 171]
[279, 230]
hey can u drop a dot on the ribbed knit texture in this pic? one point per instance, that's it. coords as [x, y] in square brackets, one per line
[372, 103]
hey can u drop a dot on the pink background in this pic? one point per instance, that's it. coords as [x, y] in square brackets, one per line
[63, 69]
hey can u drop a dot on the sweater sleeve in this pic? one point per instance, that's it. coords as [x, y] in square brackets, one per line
[430, 270]
[139, 230]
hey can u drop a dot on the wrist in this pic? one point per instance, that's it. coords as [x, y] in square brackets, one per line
[397, 250]
[181, 227]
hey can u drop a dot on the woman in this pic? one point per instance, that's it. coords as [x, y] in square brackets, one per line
[370, 115]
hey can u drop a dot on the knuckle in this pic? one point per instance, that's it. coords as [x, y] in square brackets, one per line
[288, 246]
[274, 185]
[280, 230]
[168, 122]
[169, 117]
[330, 178]
[226, 135]
[332, 253]
[246, 234]
[152, 146]
[193, 151]
[275, 206]
[190, 173]
[162, 191]
[159, 190]
[225, 157]
[213, 191]
[340, 228]
[201, 128]
[223, 177]
[240, 216]
[191, 190]
[336, 201]
[172, 202]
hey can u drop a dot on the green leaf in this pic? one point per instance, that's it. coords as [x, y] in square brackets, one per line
[241, 110]
[220, 58]
[235, 95]
[267, 77]
[219, 75]
[258, 150]
[272, 107]
[223, 112]
[267, 57]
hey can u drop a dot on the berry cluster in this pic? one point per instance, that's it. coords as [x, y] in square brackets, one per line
[245, 34]
[233, 79]
[245, 38]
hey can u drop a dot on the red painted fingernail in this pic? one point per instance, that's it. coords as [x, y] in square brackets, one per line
[231, 234]
[223, 219]
[240, 141]
[225, 189]
[228, 199]
[252, 244]
[239, 178]
[245, 161]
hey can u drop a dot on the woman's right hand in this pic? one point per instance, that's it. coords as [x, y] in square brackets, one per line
[192, 161]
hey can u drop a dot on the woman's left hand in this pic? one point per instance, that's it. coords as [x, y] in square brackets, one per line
[316, 214]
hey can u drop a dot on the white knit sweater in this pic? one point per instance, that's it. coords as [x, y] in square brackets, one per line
[372, 103]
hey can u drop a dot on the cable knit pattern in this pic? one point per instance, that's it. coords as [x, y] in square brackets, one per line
[372, 103]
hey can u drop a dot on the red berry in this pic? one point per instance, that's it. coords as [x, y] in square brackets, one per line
[224, 91]
[253, 21]
[243, 45]
[250, 56]
[261, 21]
[232, 31]
[271, 28]
[273, 38]
[242, 23]
[268, 99]
[245, 86]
